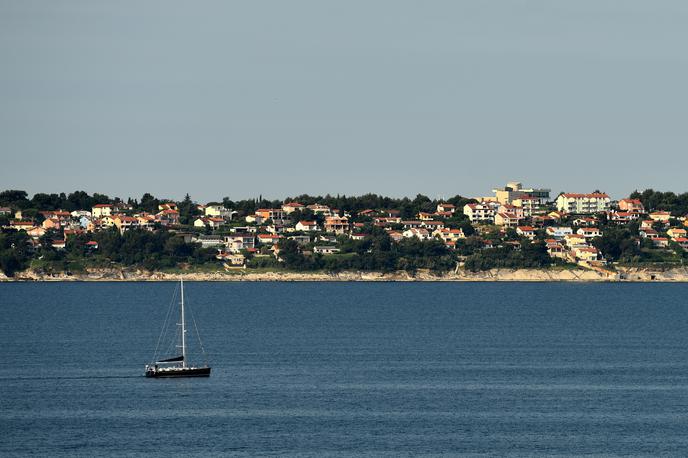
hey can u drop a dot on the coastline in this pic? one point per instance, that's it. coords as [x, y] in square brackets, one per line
[622, 275]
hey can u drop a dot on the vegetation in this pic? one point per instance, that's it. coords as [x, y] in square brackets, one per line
[161, 249]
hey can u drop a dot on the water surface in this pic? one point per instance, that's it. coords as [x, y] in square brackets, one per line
[377, 369]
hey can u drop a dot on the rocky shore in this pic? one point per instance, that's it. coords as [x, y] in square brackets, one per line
[532, 275]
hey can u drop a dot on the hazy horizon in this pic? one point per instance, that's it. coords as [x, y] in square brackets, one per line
[395, 98]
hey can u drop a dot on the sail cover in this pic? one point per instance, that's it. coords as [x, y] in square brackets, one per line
[171, 360]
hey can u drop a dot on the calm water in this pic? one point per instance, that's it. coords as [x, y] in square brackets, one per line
[349, 369]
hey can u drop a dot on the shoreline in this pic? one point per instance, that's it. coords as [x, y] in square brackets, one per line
[623, 275]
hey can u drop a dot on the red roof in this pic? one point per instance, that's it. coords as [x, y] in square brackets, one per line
[596, 195]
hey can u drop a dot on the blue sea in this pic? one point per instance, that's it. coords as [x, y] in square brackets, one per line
[349, 369]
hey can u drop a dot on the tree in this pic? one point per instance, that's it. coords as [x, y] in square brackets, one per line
[14, 198]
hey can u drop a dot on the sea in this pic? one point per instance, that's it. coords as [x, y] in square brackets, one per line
[348, 369]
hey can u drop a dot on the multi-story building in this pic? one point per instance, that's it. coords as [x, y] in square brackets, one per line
[100, 210]
[481, 212]
[595, 202]
[336, 224]
[515, 190]
[631, 205]
[219, 211]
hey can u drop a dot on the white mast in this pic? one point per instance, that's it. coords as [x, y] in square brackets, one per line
[183, 327]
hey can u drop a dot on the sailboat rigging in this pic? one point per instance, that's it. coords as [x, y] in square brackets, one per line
[177, 366]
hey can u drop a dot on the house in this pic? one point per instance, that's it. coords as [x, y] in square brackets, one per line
[388, 220]
[511, 209]
[57, 214]
[5, 211]
[555, 249]
[291, 207]
[575, 240]
[631, 205]
[446, 208]
[325, 249]
[480, 213]
[556, 215]
[396, 236]
[51, 224]
[646, 224]
[589, 232]
[319, 209]
[307, 226]
[92, 245]
[595, 202]
[558, 232]
[209, 241]
[506, 219]
[100, 210]
[167, 206]
[682, 242]
[623, 217]
[125, 223]
[212, 222]
[662, 217]
[432, 225]
[423, 216]
[526, 231]
[358, 236]
[586, 253]
[215, 222]
[146, 221]
[676, 233]
[21, 225]
[239, 241]
[268, 239]
[585, 221]
[36, 232]
[167, 217]
[660, 242]
[301, 239]
[336, 224]
[232, 259]
[448, 235]
[219, 211]
[255, 219]
[270, 213]
[419, 233]
[649, 233]
[58, 244]
[413, 223]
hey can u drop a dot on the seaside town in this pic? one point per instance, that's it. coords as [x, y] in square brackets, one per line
[514, 226]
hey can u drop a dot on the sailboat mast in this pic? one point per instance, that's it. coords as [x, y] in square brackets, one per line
[183, 327]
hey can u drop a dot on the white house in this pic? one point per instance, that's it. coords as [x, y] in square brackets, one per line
[419, 233]
[558, 232]
[306, 226]
[480, 213]
[595, 202]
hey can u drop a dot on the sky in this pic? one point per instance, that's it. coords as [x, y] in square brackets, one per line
[279, 98]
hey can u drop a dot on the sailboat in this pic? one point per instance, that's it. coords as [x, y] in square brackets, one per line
[177, 365]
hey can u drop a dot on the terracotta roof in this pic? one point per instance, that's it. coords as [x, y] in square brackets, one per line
[595, 195]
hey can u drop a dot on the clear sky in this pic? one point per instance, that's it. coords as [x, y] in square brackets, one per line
[229, 98]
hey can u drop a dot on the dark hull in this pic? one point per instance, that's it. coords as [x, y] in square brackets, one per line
[179, 372]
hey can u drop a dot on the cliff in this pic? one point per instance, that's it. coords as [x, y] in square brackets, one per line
[567, 275]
